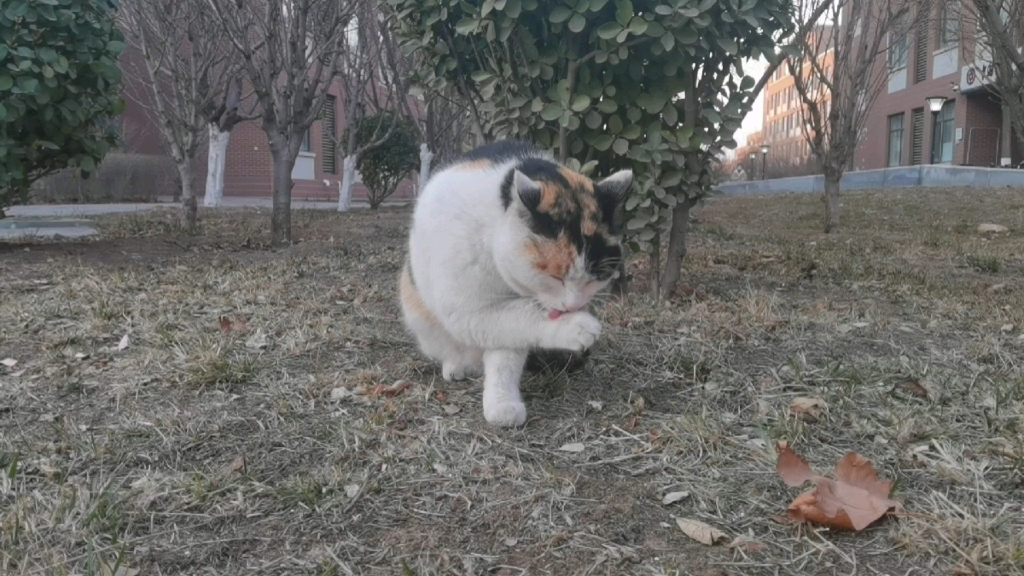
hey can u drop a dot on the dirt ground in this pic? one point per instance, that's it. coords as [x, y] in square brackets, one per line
[201, 404]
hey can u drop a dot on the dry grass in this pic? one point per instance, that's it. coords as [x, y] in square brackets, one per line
[196, 450]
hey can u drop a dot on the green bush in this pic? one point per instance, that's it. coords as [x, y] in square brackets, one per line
[59, 86]
[120, 177]
[385, 166]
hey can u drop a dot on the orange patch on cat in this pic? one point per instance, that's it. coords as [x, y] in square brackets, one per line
[481, 164]
[552, 257]
[549, 193]
[576, 180]
[412, 301]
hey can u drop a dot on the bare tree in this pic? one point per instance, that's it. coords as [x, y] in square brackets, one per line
[998, 29]
[838, 72]
[290, 52]
[183, 56]
[222, 119]
[439, 116]
[373, 82]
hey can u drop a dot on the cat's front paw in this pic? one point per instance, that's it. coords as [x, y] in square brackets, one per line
[576, 332]
[460, 371]
[507, 414]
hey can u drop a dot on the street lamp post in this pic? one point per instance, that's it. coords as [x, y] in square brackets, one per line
[935, 105]
[753, 165]
[764, 159]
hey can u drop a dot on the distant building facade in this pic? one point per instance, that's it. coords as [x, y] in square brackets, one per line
[783, 121]
[941, 58]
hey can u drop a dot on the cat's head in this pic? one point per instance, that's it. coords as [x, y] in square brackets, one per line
[559, 242]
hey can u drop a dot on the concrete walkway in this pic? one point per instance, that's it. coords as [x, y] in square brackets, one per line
[58, 220]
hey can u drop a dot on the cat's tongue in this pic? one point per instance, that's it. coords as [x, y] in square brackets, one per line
[555, 314]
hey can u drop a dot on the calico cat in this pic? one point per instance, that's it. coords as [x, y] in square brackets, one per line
[506, 250]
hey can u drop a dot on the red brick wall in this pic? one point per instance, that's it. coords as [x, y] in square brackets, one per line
[249, 169]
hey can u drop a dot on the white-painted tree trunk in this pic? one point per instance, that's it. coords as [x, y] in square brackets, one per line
[215, 166]
[348, 178]
[426, 157]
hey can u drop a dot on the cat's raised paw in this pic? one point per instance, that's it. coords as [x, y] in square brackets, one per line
[460, 371]
[576, 332]
[505, 414]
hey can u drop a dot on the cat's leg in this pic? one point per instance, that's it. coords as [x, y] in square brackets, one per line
[503, 369]
[519, 324]
[458, 361]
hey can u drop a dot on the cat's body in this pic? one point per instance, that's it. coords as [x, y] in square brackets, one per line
[506, 250]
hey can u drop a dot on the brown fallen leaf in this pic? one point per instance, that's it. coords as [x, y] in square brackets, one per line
[746, 544]
[233, 325]
[806, 409]
[915, 388]
[852, 501]
[387, 391]
[701, 532]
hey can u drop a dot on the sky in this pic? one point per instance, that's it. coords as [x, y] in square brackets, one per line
[753, 121]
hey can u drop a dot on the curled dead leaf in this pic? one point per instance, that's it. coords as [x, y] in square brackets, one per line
[806, 409]
[233, 324]
[701, 531]
[793, 470]
[387, 391]
[852, 501]
[672, 497]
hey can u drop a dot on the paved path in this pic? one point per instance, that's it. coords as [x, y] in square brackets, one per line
[58, 220]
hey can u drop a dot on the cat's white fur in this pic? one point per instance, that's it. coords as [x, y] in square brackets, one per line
[474, 301]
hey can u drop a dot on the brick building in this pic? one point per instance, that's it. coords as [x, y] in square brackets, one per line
[249, 169]
[783, 123]
[942, 60]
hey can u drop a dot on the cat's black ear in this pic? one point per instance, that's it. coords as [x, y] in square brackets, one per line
[611, 193]
[528, 190]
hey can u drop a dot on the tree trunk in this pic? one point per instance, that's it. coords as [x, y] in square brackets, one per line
[215, 165]
[655, 263]
[281, 218]
[832, 179]
[426, 157]
[188, 195]
[676, 247]
[348, 179]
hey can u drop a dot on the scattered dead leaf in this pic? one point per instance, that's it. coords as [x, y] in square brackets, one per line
[807, 409]
[852, 501]
[9, 362]
[672, 497]
[573, 447]
[237, 465]
[387, 391]
[701, 532]
[123, 343]
[440, 396]
[451, 409]
[233, 324]
[746, 544]
[915, 388]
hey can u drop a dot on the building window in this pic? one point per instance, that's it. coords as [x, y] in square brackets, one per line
[942, 147]
[899, 44]
[948, 25]
[896, 140]
[304, 146]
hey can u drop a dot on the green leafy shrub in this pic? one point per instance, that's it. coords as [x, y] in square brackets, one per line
[59, 86]
[384, 167]
[657, 86]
